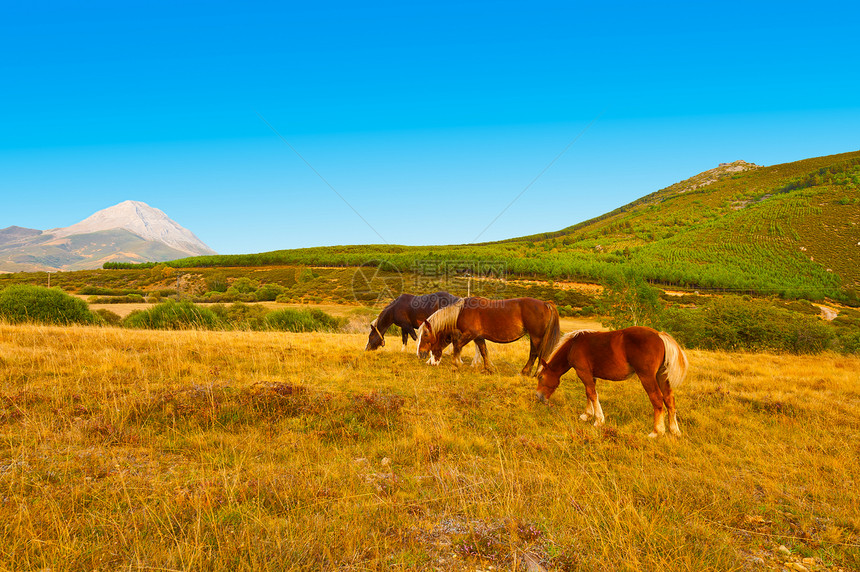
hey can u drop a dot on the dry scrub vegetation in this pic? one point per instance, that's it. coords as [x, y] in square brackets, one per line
[189, 450]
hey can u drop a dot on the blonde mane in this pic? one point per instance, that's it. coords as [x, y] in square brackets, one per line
[564, 340]
[443, 320]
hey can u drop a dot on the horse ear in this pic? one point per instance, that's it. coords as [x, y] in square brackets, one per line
[543, 363]
[427, 325]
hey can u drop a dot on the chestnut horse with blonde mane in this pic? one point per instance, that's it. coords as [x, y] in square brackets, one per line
[654, 356]
[500, 321]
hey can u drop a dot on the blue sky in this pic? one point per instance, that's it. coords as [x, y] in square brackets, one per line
[427, 118]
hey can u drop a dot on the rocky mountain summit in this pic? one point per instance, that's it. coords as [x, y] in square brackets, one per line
[147, 222]
[131, 231]
[705, 178]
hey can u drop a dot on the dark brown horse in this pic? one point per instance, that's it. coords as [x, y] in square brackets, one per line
[654, 356]
[500, 321]
[408, 312]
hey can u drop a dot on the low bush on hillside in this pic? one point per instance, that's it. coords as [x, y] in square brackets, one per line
[240, 316]
[109, 318]
[754, 325]
[100, 291]
[268, 292]
[25, 303]
[171, 315]
[313, 320]
[128, 299]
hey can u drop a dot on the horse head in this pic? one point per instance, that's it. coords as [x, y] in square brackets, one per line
[426, 339]
[548, 380]
[375, 339]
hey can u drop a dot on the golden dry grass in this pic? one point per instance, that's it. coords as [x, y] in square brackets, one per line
[198, 450]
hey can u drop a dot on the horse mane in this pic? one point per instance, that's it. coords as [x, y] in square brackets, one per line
[384, 314]
[565, 340]
[444, 319]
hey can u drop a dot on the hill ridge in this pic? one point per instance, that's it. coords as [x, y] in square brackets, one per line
[790, 229]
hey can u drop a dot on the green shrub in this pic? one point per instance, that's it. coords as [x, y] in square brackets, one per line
[290, 320]
[171, 315]
[735, 324]
[269, 292]
[99, 291]
[108, 317]
[306, 275]
[627, 300]
[216, 283]
[285, 298]
[129, 299]
[25, 303]
[849, 342]
[241, 316]
[217, 297]
[243, 285]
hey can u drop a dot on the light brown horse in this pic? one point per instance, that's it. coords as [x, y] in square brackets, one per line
[654, 356]
[500, 321]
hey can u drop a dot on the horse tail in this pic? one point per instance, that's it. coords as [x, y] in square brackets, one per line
[551, 335]
[675, 362]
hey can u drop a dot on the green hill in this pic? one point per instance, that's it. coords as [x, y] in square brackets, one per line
[789, 229]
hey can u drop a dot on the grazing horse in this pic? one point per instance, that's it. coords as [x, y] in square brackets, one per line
[408, 312]
[500, 321]
[654, 356]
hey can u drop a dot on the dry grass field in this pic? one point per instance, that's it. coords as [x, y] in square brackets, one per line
[192, 450]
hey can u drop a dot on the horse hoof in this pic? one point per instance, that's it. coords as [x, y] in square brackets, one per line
[653, 435]
[584, 417]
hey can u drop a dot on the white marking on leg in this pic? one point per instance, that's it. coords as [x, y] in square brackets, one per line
[598, 412]
[660, 429]
[673, 425]
[589, 410]
[403, 349]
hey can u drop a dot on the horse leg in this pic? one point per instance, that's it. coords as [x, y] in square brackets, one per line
[669, 402]
[457, 346]
[592, 407]
[649, 382]
[405, 336]
[534, 348]
[478, 359]
[481, 347]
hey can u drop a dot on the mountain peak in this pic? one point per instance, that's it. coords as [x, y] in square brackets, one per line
[137, 217]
